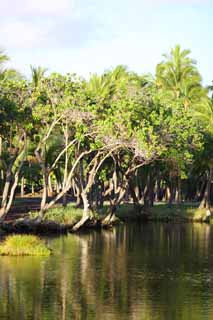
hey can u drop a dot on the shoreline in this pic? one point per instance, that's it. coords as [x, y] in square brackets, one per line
[185, 213]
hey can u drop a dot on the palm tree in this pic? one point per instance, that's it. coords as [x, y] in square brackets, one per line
[7, 73]
[100, 87]
[179, 85]
[178, 76]
[105, 87]
[37, 73]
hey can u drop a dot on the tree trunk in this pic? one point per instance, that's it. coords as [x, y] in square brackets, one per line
[57, 186]
[45, 192]
[179, 190]
[1, 171]
[22, 187]
[66, 136]
[64, 200]
[110, 218]
[9, 199]
[171, 195]
[6, 189]
[50, 188]
[9, 191]
[78, 199]
[87, 213]
[149, 193]
[133, 194]
[6, 193]
[32, 188]
[206, 201]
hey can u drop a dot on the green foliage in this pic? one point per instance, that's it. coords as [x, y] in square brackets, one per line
[24, 245]
[121, 119]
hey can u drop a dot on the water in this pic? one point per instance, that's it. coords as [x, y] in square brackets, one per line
[146, 272]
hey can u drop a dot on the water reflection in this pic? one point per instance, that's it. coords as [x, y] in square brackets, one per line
[152, 271]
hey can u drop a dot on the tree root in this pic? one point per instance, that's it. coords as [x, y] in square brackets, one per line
[109, 220]
[81, 223]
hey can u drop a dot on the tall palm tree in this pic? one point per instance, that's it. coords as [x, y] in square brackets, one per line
[179, 85]
[178, 76]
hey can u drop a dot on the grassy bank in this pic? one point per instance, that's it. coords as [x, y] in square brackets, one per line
[24, 245]
[60, 220]
[188, 212]
[68, 215]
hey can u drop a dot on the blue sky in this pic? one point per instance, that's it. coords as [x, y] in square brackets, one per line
[86, 36]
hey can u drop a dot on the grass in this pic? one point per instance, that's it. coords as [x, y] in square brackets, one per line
[184, 212]
[64, 215]
[24, 245]
[188, 212]
[68, 215]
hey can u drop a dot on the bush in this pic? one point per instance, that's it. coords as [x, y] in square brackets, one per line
[24, 245]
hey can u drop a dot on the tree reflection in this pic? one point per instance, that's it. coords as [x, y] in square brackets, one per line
[153, 271]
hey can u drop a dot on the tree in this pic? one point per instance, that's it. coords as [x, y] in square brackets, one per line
[178, 78]
[179, 87]
[7, 73]
[15, 122]
[203, 113]
[37, 74]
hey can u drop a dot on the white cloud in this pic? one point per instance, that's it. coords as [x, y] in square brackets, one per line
[22, 34]
[89, 35]
[45, 23]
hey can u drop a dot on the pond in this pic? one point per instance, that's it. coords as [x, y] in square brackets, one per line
[149, 271]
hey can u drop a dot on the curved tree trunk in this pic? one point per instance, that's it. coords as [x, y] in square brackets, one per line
[87, 212]
[12, 179]
[110, 218]
[50, 188]
[8, 197]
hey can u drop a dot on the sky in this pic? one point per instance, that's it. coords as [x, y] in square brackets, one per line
[90, 36]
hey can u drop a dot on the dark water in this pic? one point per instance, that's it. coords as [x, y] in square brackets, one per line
[150, 272]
